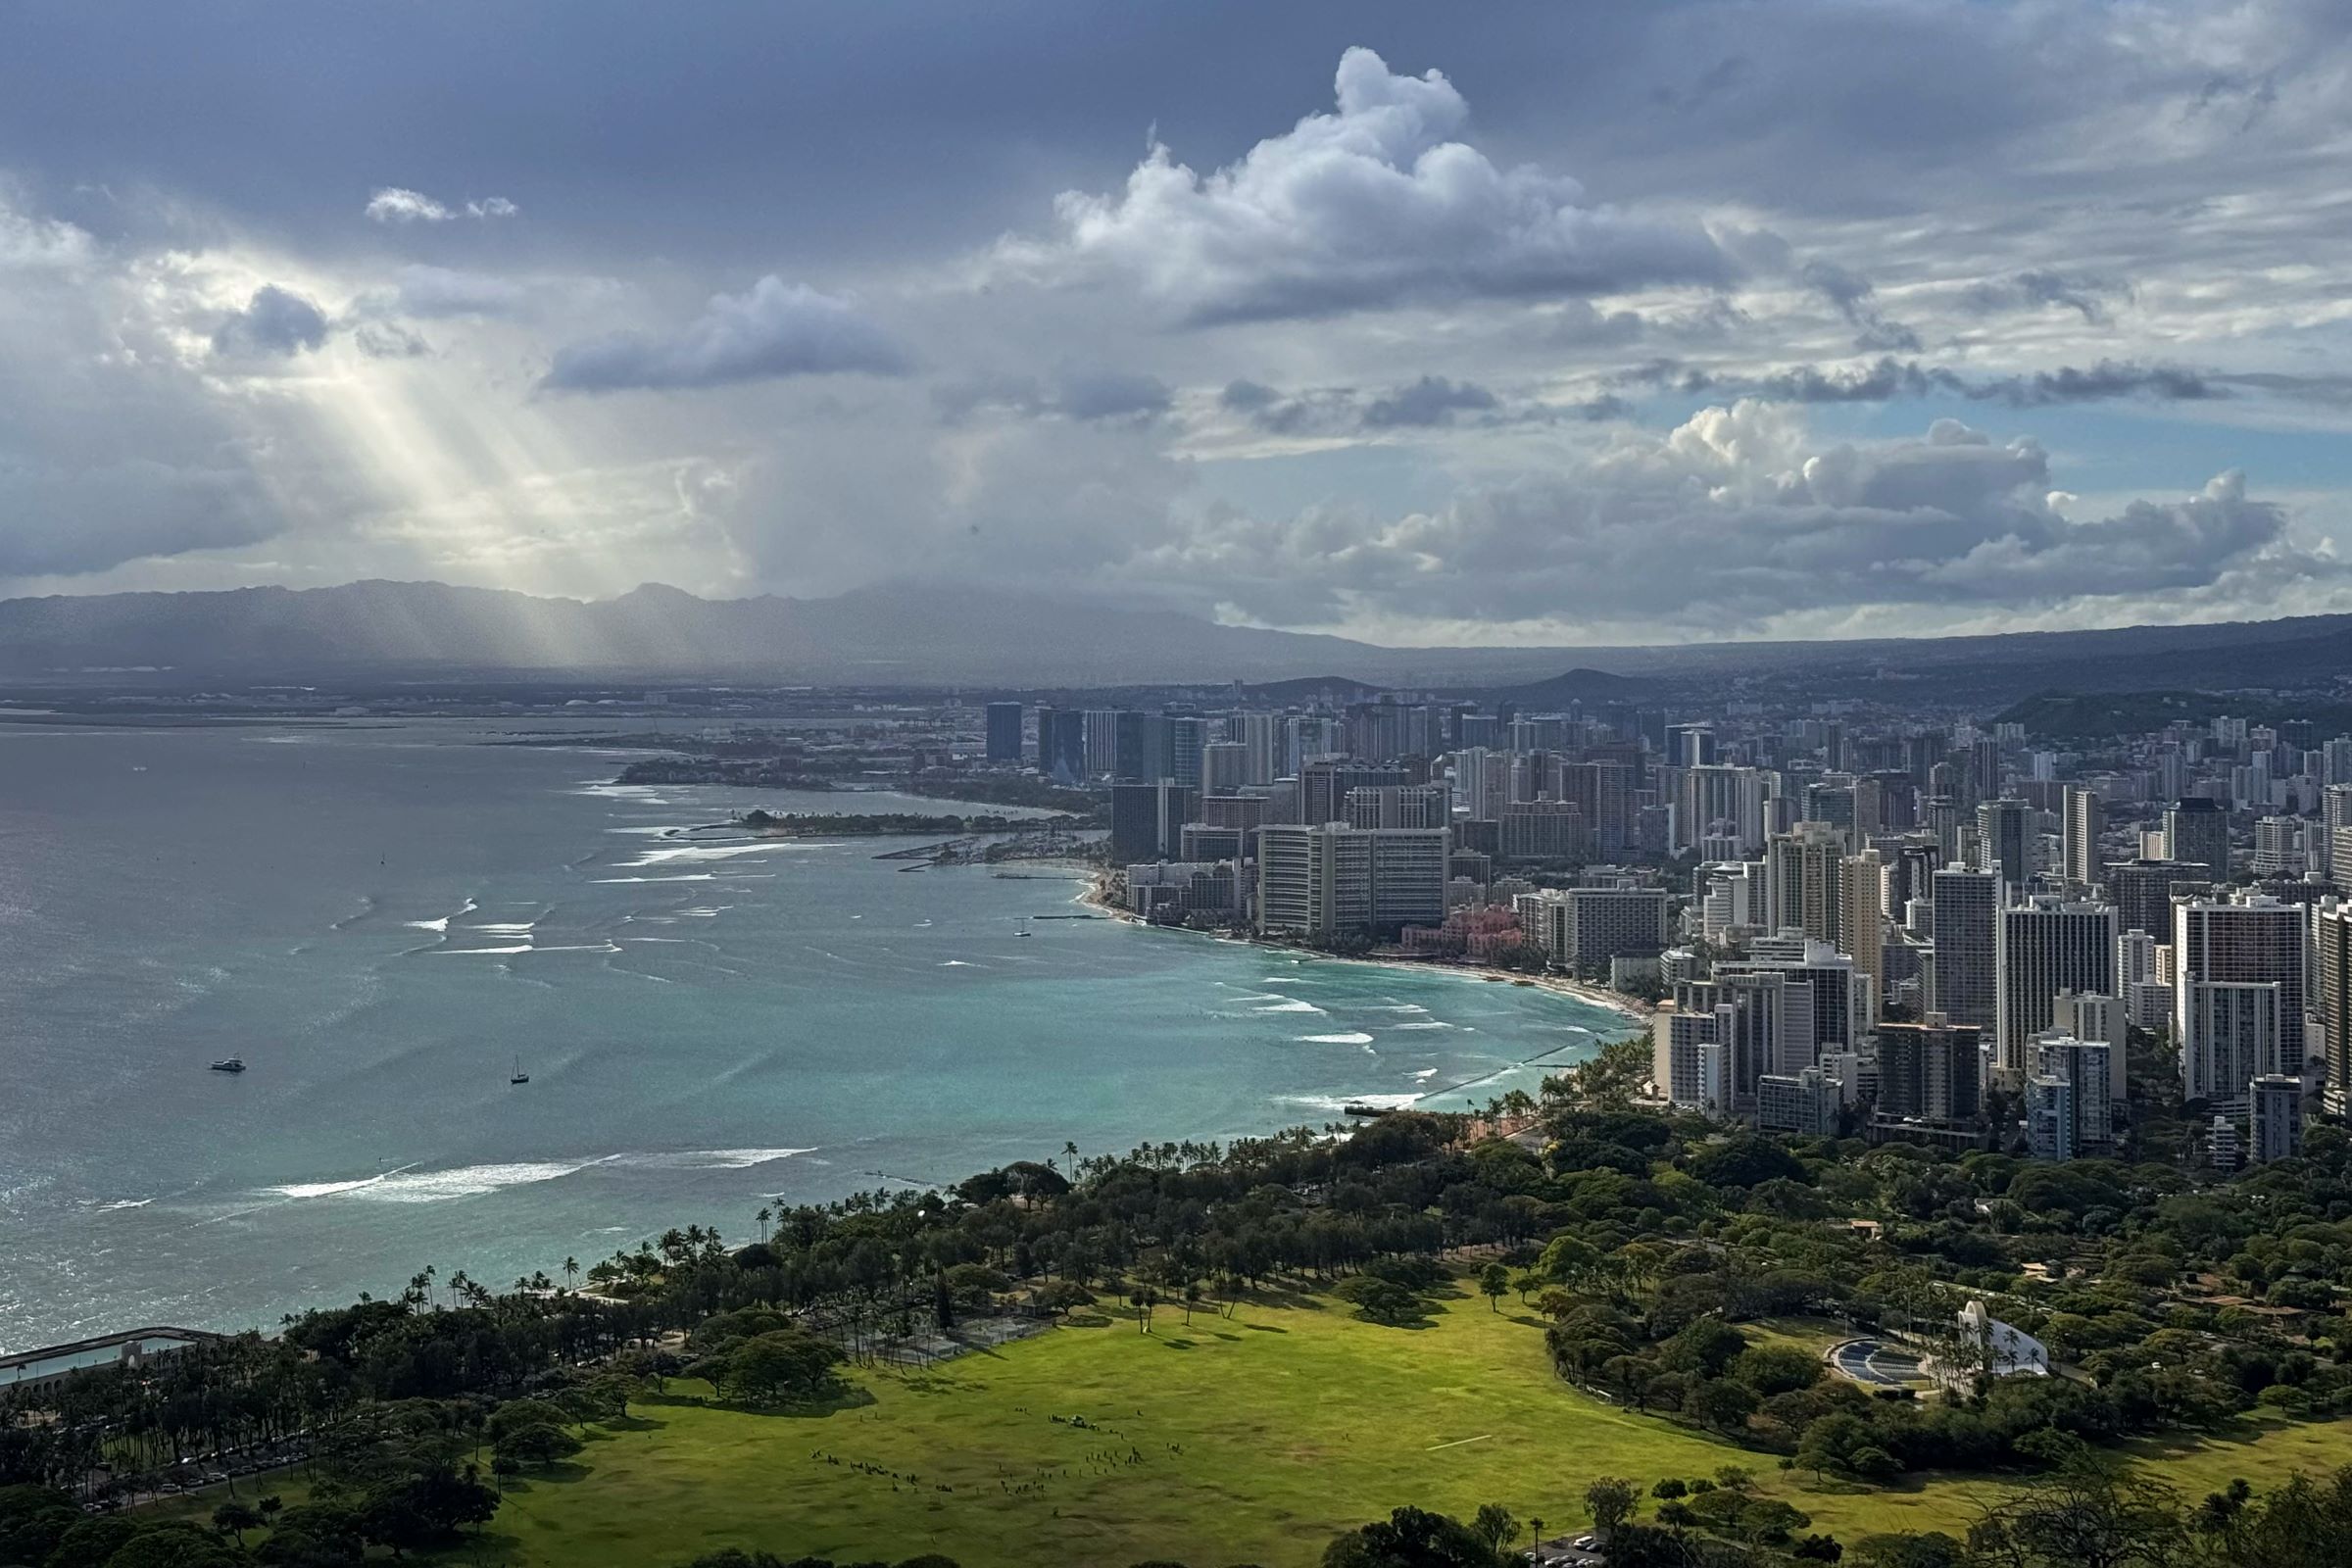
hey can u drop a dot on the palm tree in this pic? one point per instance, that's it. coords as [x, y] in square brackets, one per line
[571, 1271]
[765, 1216]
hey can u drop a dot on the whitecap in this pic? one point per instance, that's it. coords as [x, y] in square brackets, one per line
[1288, 1007]
[1337, 1040]
[1431, 1025]
[1427, 1072]
[409, 1185]
[959, 963]
[1330, 1102]
[710, 1158]
[692, 876]
[707, 851]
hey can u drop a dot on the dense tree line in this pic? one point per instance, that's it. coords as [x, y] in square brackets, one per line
[1644, 1240]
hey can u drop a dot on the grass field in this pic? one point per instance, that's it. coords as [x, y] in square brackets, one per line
[1249, 1440]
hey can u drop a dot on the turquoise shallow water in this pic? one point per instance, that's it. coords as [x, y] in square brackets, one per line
[382, 921]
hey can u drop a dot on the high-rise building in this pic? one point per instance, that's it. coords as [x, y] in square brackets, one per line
[1829, 975]
[2050, 1117]
[1146, 820]
[1966, 988]
[2003, 842]
[1187, 737]
[1004, 731]
[2197, 829]
[1060, 744]
[1802, 883]
[2278, 846]
[2231, 1034]
[2143, 891]
[1686, 1062]
[2078, 1121]
[1543, 831]
[1398, 805]
[1260, 738]
[1930, 1070]
[2041, 948]
[1605, 923]
[1862, 926]
[2253, 940]
[2084, 819]
[1100, 729]
[2087, 1015]
[1721, 802]
[1224, 767]
[2331, 998]
[1327, 879]
[2274, 1106]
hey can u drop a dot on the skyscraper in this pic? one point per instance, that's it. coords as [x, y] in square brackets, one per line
[1965, 985]
[1004, 731]
[2331, 998]
[2142, 892]
[1801, 879]
[1863, 925]
[2001, 842]
[2040, 949]
[2275, 1105]
[2085, 819]
[2198, 829]
[2252, 941]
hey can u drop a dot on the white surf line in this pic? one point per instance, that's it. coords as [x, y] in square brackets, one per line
[1457, 1443]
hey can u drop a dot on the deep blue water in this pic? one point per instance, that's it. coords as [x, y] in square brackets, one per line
[383, 922]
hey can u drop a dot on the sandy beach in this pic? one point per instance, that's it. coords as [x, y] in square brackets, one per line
[1097, 895]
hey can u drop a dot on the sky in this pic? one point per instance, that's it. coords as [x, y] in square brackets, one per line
[1508, 324]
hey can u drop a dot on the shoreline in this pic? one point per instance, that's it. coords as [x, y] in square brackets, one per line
[1096, 896]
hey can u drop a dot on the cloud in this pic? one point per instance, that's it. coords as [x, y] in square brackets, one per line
[2037, 288]
[394, 204]
[1432, 400]
[1886, 379]
[1727, 523]
[1853, 294]
[776, 329]
[1375, 206]
[275, 324]
[1085, 395]
[439, 291]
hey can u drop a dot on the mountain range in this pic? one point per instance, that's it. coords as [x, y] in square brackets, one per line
[910, 636]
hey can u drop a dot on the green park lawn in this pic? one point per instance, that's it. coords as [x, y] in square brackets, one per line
[1246, 1440]
[1252, 1439]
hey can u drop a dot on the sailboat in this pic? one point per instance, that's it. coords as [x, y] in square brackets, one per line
[1024, 929]
[519, 1076]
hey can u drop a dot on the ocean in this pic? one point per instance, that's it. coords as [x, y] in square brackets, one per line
[384, 921]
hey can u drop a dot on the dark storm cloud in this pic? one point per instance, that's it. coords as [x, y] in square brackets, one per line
[275, 324]
[1432, 400]
[1886, 379]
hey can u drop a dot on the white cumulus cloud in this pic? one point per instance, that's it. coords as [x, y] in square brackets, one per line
[396, 204]
[1375, 205]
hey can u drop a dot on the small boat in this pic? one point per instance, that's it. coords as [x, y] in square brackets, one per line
[1024, 930]
[229, 1064]
[519, 1076]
